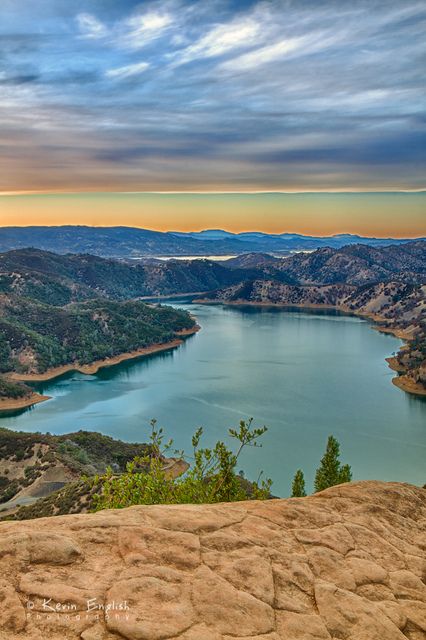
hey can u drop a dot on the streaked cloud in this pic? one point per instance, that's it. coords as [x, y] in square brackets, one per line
[90, 26]
[138, 30]
[128, 71]
[267, 54]
[277, 94]
[222, 39]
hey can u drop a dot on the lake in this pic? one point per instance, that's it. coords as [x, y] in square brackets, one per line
[304, 374]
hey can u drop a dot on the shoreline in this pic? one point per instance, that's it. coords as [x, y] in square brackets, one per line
[93, 367]
[284, 305]
[12, 404]
[395, 365]
[402, 381]
[407, 384]
[171, 296]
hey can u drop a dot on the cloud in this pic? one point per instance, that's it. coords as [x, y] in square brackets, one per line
[128, 70]
[138, 30]
[91, 27]
[288, 47]
[263, 92]
[222, 39]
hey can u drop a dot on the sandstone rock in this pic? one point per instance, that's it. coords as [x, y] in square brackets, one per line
[393, 612]
[408, 586]
[12, 613]
[334, 537]
[97, 632]
[156, 545]
[301, 627]
[366, 571]
[415, 612]
[292, 594]
[247, 569]
[51, 548]
[49, 595]
[346, 615]
[345, 564]
[227, 609]
[268, 636]
[375, 592]
[201, 631]
[331, 566]
[156, 609]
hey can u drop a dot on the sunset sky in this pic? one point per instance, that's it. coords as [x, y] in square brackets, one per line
[101, 97]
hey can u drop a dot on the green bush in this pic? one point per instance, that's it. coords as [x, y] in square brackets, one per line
[211, 478]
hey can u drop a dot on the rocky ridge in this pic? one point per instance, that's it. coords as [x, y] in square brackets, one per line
[344, 564]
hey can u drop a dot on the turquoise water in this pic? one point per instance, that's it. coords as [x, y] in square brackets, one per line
[304, 374]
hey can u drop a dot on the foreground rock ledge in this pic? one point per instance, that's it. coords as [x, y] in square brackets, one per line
[348, 563]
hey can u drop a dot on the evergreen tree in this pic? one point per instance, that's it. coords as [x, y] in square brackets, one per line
[298, 487]
[330, 471]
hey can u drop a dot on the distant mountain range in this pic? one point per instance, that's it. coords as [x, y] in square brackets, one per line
[129, 242]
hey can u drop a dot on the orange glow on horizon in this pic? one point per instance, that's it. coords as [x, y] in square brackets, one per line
[380, 214]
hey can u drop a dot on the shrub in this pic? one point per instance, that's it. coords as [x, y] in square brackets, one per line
[211, 478]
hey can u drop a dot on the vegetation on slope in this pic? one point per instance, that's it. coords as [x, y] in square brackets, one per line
[14, 390]
[25, 457]
[211, 478]
[58, 280]
[61, 279]
[108, 473]
[35, 337]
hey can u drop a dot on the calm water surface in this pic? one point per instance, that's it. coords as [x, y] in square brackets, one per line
[305, 375]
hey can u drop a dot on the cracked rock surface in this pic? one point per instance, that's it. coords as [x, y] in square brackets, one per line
[344, 564]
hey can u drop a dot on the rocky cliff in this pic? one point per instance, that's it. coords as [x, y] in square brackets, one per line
[345, 564]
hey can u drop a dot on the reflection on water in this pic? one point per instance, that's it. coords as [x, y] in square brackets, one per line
[303, 374]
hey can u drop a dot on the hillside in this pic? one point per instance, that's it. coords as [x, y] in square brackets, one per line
[358, 265]
[58, 280]
[36, 338]
[393, 301]
[35, 464]
[346, 563]
[130, 242]
[398, 308]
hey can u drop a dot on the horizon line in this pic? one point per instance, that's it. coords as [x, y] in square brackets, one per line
[204, 192]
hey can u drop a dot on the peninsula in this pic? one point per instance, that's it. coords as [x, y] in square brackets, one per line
[85, 337]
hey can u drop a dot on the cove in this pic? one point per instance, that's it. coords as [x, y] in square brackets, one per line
[304, 374]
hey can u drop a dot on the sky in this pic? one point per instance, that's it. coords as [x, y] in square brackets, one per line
[101, 96]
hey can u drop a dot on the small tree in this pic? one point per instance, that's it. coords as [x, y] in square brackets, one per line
[331, 472]
[298, 487]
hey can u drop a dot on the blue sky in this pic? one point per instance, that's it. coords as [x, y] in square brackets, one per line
[279, 95]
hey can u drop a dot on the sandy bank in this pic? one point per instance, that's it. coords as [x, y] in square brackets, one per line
[10, 404]
[93, 367]
[171, 296]
[402, 334]
[395, 365]
[283, 305]
[409, 385]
